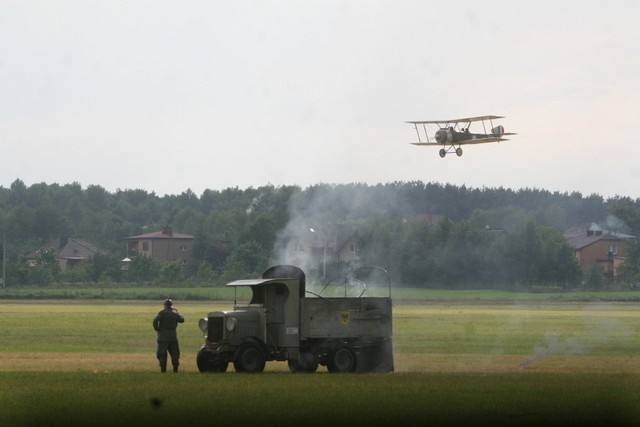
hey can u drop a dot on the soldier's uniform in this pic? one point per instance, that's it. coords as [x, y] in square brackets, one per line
[165, 324]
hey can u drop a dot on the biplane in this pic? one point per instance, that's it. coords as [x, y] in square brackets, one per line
[452, 134]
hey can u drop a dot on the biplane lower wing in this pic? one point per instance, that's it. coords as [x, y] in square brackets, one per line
[465, 142]
[481, 140]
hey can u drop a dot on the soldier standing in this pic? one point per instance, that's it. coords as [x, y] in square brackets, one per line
[165, 324]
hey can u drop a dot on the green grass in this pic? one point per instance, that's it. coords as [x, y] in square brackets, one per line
[579, 328]
[420, 399]
[509, 363]
[222, 293]
[93, 326]
[125, 326]
[111, 293]
[500, 296]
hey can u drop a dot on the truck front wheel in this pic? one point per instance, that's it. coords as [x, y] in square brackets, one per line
[249, 358]
[209, 362]
[342, 359]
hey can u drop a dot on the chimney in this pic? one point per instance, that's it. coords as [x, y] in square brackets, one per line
[166, 230]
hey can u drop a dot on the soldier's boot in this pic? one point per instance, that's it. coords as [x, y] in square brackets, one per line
[163, 363]
[175, 368]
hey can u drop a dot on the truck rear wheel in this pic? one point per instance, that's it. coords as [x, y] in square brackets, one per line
[342, 359]
[209, 362]
[249, 358]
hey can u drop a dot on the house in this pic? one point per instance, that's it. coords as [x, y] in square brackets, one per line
[594, 245]
[162, 246]
[312, 247]
[69, 251]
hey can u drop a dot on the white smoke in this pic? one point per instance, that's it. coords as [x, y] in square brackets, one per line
[554, 345]
[255, 202]
[615, 224]
[315, 217]
[605, 331]
[306, 225]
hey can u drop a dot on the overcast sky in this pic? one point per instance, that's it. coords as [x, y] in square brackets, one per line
[167, 96]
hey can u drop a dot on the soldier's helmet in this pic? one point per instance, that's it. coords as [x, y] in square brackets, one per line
[168, 302]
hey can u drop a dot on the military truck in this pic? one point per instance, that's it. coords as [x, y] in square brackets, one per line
[284, 322]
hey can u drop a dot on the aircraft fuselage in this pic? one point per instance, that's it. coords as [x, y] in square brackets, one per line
[450, 136]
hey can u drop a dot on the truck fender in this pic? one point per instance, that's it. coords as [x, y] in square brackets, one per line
[257, 341]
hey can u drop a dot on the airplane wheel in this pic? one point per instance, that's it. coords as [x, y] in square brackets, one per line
[459, 151]
[442, 153]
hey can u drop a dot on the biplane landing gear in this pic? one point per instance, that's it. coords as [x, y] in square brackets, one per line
[443, 152]
[459, 151]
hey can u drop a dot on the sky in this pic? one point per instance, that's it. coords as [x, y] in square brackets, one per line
[170, 96]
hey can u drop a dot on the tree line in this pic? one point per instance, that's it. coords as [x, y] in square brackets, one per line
[494, 237]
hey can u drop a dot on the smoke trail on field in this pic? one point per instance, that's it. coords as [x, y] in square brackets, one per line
[555, 345]
[603, 332]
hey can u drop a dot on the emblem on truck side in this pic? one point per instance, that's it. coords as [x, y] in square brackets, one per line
[344, 317]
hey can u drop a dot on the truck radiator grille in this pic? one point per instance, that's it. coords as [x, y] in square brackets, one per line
[216, 329]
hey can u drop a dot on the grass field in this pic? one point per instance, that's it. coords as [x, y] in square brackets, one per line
[488, 360]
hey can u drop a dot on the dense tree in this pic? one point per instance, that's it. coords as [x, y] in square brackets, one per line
[204, 272]
[497, 237]
[594, 279]
[171, 272]
[627, 212]
[383, 243]
[261, 230]
[45, 269]
[143, 269]
[101, 265]
[629, 272]
[251, 256]
[48, 223]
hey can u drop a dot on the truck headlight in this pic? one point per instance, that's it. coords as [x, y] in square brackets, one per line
[231, 323]
[202, 324]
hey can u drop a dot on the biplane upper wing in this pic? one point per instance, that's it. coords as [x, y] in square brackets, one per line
[464, 120]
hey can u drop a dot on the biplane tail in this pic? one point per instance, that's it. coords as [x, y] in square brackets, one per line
[499, 132]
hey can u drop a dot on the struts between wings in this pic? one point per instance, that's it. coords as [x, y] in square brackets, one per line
[452, 134]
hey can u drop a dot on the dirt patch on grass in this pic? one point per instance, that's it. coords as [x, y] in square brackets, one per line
[516, 363]
[50, 361]
[406, 362]
[99, 362]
